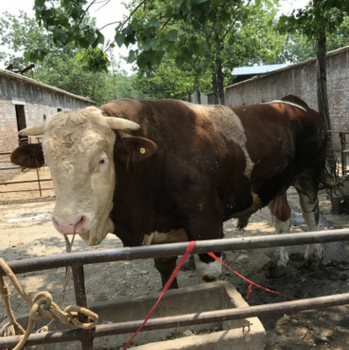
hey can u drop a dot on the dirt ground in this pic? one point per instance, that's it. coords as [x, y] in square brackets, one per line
[26, 231]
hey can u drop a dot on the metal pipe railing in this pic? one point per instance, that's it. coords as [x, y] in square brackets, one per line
[180, 321]
[174, 249]
[23, 182]
[78, 259]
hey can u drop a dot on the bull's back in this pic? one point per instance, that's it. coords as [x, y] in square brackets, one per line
[247, 151]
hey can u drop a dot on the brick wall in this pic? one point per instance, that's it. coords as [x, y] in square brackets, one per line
[300, 80]
[38, 100]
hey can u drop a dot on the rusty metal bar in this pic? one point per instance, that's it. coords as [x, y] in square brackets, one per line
[81, 300]
[23, 182]
[42, 189]
[37, 174]
[79, 285]
[11, 168]
[174, 249]
[182, 320]
[171, 250]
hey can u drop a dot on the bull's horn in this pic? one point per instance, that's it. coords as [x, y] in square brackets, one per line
[34, 130]
[121, 124]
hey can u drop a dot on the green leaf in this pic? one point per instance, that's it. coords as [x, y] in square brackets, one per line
[153, 22]
[172, 35]
[142, 61]
[119, 38]
[83, 42]
[179, 61]
[100, 38]
[130, 39]
[151, 43]
[169, 11]
[147, 45]
[63, 37]
[131, 56]
[201, 50]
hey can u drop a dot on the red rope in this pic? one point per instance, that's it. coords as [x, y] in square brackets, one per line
[250, 282]
[175, 273]
[173, 276]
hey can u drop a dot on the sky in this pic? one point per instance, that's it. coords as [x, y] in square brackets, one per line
[112, 12]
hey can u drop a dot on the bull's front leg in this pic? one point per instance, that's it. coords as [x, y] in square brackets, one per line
[166, 266]
[208, 268]
[205, 225]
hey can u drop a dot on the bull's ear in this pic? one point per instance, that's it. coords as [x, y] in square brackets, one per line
[28, 156]
[134, 149]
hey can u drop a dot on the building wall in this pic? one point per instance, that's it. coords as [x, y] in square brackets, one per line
[203, 97]
[38, 100]
[300, 80]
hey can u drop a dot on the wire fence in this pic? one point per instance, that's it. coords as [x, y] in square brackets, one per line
[7, 187]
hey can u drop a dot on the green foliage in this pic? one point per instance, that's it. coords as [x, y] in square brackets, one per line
[255, 40]
[21, 33]
[181, 28]
[205, 39]
[298, 47]
[339, 38]
[208, 45]
[68, 24]
[169, 81]
[311, 21]
[62, 66]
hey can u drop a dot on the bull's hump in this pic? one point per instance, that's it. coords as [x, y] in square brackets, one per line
[288, 103]
[227, 123]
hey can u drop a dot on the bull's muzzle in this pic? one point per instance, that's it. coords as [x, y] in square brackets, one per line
[69, 225]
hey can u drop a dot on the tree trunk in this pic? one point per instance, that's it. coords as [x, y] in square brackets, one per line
[321, 78]
[321, 65]
[198, 97]
[215, 89]
[189, 93]
[220, 81]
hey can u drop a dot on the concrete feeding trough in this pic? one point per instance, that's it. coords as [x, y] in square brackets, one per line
[225, 335]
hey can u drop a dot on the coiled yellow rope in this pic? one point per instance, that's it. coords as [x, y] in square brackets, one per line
[40, 306]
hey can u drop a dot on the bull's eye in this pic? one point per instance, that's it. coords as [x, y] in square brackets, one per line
[101, 163]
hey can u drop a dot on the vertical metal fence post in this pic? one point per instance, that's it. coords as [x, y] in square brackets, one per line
[81, 300]
[37, 173]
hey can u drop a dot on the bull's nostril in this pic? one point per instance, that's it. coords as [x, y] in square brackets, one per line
[70, 225]
[80, 224]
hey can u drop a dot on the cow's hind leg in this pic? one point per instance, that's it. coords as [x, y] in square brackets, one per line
[307, 188]
[280, 213]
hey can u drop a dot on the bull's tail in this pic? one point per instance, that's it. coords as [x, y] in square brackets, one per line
[329, 179]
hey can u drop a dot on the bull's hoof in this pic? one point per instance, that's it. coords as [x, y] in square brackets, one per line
[274, 270]
[210, 278]
[312, 263]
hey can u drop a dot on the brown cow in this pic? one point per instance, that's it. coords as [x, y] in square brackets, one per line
[166, 171]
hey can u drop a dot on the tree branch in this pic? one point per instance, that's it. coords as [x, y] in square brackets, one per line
[132, 13]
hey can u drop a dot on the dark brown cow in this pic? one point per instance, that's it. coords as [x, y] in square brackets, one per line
[165, 171]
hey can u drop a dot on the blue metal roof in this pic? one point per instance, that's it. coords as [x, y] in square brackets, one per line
[258, 69]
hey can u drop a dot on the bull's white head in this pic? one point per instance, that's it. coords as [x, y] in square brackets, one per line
[78, 146]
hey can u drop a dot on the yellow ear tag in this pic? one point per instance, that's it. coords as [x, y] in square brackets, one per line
[142, 150]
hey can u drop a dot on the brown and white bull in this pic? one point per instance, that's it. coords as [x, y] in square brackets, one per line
[167, 171]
